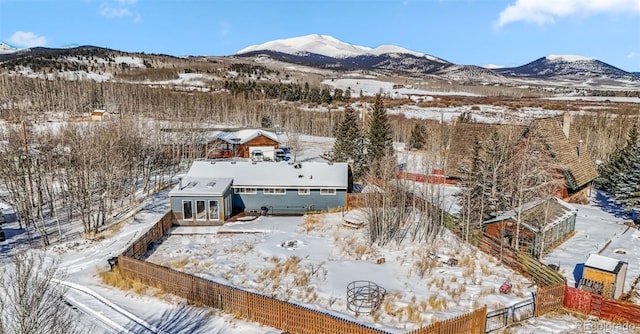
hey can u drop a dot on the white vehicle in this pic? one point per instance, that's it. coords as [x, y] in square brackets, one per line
[257, 155]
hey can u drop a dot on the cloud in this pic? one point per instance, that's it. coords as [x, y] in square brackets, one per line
[547, 11]
[27, 39]
[632, 54]
[118, 9]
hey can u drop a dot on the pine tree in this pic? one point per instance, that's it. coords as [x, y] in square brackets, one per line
[418, 137]
[620, 177]
[349, 144]
[379, 135]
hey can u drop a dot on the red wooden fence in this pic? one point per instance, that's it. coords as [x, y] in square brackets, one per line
[604, 308]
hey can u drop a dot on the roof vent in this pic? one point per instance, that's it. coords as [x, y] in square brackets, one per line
[300, 176]
[297, 166]
[213, 162]
[253, 162]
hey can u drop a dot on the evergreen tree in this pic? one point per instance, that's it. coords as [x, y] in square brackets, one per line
[266, 121]
[620, 177]
[379, 135]
[349, 144]
[470, 195]
[418, 137]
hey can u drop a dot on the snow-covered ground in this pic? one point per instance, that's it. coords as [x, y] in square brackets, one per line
[312, 262]
[325, 256]
[598, 232]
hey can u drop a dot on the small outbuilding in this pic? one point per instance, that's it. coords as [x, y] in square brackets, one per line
[604, 276]
[98, 115]
[544, 224]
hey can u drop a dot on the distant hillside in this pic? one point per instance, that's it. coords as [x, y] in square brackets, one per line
[566, 66]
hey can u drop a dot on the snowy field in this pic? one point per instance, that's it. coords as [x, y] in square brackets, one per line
[310, 262]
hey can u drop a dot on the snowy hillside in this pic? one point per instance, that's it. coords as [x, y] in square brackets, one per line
[567, 66]
[5, 48]
[328, 46]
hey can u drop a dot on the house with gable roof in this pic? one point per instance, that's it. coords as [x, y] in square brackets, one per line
[563, 145]
[212, 191]
[242, 143]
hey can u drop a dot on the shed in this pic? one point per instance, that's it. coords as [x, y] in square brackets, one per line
[544, 224]
[604, 276]
[98, 115]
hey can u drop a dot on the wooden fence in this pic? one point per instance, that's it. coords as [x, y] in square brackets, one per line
[521, 262]
[549, 298]
[604, 308]
[155, 233]
[268, 311]
[472, 323]
[278, 314]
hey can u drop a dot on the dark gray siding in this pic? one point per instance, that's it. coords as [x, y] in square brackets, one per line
[291, 202]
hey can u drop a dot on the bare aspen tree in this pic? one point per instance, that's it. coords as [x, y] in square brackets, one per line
[31, 302]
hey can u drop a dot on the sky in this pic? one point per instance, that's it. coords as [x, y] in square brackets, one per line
[470, 32]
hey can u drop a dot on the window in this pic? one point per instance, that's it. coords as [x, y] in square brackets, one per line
[187, 210]
[327, 191]
[246, 191]
[201, 213]
[274, 191]
[303, 191]
[213, 210]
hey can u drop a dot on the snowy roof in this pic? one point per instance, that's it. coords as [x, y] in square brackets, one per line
[604, 263]
[538, 214]
[243, 136]
[274, 174]
[198, 186]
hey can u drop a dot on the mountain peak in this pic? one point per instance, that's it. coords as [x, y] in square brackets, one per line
[328, 46]
[568, 58]
[6, 48]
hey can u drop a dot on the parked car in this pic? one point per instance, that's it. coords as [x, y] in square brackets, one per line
[279, 154]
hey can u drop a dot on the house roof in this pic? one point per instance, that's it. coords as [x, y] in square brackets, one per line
[274, 174]
[604, 263]
[201, 186]
[245, 135]
[539, 214]
[580, 168]
[463, 139]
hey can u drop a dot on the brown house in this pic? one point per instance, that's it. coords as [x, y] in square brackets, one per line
[243, 143]
[563, 145]
[544, 224]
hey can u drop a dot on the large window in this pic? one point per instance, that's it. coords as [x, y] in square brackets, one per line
[201, 213]
[246, 190]
[187, 210]
[327, 191]
[274, 191]
[213, 210]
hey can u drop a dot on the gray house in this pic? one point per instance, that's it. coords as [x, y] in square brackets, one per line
[212, 191]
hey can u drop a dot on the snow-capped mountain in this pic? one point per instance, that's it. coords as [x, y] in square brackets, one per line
[567, 67]
[328, 46]
[322, 51]
[5, 48]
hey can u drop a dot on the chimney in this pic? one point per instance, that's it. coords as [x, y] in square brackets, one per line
[566, 123]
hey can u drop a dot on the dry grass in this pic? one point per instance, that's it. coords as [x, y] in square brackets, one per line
[178, 264]
[311, 223]
[121, 281]
[437, 303]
